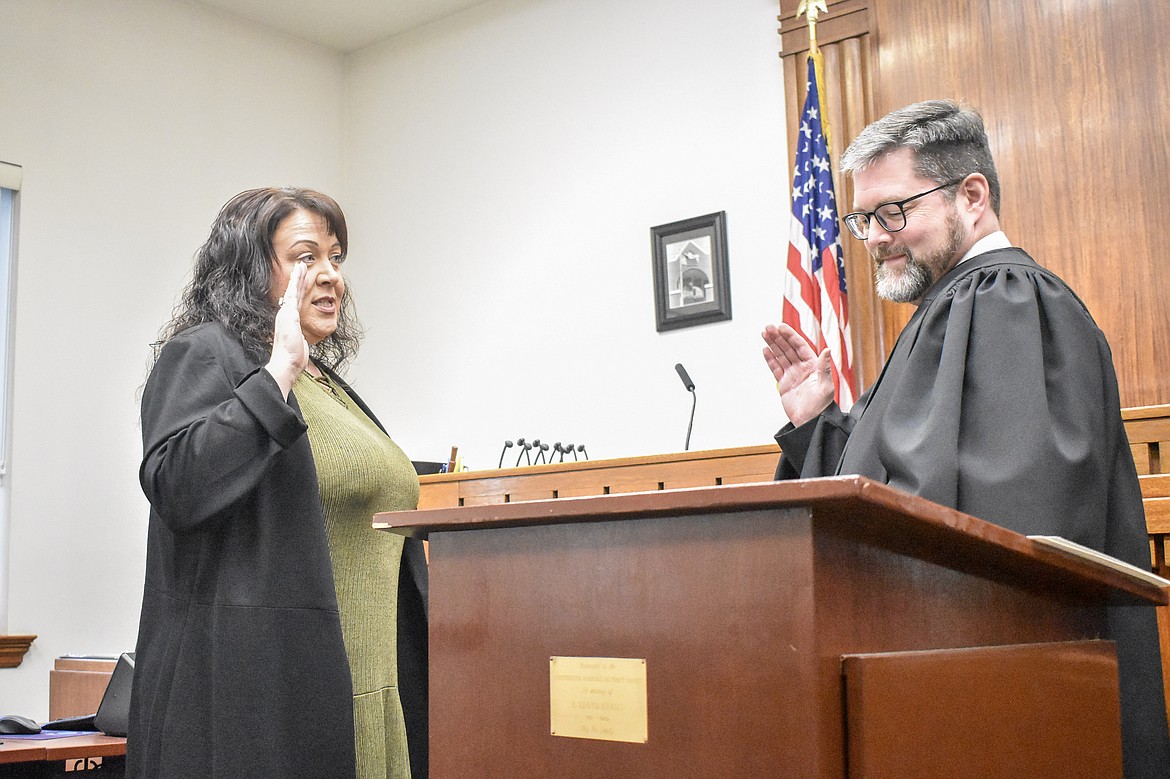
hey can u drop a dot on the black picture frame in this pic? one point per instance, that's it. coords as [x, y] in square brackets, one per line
[691, 280]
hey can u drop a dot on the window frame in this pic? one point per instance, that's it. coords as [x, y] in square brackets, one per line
[10, 181]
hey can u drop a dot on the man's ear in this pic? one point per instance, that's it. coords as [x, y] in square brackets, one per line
[977, 193]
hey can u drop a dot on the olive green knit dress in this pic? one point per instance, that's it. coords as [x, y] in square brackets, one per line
[361, 472]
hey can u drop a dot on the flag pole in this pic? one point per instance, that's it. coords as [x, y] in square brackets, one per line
[812, 9]
[815, 299]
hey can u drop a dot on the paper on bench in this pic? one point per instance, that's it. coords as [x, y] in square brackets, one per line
[1085, 553]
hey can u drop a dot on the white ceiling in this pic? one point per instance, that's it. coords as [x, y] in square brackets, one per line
[343, 25]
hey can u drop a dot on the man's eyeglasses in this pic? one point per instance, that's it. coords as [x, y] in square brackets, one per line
[890, 216]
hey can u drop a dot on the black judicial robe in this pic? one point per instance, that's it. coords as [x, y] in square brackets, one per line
[241, 670]
[1000, 400]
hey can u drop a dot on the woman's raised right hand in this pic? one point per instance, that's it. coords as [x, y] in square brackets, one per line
[290, 350]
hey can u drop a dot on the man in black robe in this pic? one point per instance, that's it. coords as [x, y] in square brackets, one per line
[999, 398]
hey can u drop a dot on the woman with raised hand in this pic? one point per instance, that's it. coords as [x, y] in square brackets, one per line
[281, 636]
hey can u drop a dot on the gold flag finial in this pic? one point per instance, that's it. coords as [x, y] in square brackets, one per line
[811, 9]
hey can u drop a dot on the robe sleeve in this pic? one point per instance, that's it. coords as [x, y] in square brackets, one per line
[208, 439]
[814, 448]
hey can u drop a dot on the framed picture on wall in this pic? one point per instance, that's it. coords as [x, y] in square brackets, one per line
[691, 284]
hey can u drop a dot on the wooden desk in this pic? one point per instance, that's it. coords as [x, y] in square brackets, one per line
[51, 757]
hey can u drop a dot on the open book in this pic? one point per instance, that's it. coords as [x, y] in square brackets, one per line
[1085, 553]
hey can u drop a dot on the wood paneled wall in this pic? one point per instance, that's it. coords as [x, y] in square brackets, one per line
[1076, 98]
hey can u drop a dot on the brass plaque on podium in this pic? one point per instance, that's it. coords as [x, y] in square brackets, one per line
[602, 698]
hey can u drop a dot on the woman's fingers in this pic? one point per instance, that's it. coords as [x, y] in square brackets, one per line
[295, 289]
[290, 354]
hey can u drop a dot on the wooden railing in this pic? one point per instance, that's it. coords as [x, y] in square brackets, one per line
[600, 477]
[1148, 428]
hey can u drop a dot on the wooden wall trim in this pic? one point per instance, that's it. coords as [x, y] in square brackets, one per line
[13, 649]
[846, 19]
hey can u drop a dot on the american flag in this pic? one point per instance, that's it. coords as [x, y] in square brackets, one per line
[815, 303]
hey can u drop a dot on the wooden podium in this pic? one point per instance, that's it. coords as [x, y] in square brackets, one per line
[820, 628]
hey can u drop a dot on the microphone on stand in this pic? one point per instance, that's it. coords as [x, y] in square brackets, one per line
[581, 449]
[507, 445]
[559, 450]
[524, 447]
[540, 450]
[690, 385]
[569, 448]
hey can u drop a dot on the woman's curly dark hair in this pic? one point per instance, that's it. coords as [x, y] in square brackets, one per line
[232, 278]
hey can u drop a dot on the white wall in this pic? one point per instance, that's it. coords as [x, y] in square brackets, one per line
[134, 121]
[503, 170]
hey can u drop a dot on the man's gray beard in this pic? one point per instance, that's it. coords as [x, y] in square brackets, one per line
[905, 287]
[916, 278]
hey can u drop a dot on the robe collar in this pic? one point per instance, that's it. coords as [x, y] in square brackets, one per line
[973, 263]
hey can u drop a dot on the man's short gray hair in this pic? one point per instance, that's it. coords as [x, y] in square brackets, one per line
[948, 141]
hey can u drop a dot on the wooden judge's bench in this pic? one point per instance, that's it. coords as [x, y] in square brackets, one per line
[710, 622]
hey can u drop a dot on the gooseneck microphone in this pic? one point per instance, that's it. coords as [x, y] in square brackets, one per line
[690, 385]
[507, 445]
[524, 447]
